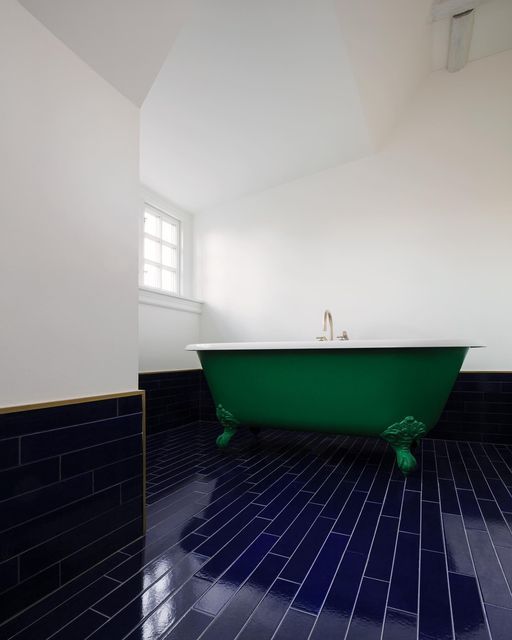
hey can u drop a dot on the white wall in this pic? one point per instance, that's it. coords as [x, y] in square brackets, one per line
[164, 332]
[413, 241]
[69, 199]
[163, 335]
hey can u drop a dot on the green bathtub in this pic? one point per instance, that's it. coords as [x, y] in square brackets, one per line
[394, 390]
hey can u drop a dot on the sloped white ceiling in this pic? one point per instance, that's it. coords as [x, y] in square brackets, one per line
[125, 41]
[254, 94]
[388, 43]
[241, 95]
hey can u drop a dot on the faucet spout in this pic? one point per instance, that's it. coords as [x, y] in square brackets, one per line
[328, 319]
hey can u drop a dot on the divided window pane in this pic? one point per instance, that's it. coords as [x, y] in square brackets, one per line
[161, 247]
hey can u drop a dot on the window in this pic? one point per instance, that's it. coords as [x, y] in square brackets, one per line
[161, 251]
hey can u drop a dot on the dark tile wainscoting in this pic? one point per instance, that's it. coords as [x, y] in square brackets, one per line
[71, 491]
[479, 408]
[175, 398]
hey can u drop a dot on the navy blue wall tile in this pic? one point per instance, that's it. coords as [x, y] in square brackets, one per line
[129, 404]
[69, 500]
[100, 455]
[34, 532]
[118, 472]
[76, 539]
[9, 452]
[22, 479]
[86, 557]
[8, 574]
[66, 439]
[479, 409]
[35, 503]
[173, 398]
[49, 418]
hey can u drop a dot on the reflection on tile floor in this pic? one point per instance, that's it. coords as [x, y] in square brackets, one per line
[296, 536]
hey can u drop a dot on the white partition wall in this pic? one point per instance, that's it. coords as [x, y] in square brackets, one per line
[69, 203]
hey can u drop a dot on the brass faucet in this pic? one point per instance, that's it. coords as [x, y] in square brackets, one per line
[328, 319]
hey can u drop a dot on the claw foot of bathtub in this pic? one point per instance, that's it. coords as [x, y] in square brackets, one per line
[401, 436]
[230, 424]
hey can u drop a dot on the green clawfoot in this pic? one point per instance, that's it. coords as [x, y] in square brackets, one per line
[401, 436]
[230, 424]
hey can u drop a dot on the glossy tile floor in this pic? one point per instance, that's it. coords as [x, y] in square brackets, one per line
[296, 536]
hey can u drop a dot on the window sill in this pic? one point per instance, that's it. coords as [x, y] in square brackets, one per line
[169, 301]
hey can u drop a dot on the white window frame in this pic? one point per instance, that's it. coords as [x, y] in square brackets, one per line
[166, 216]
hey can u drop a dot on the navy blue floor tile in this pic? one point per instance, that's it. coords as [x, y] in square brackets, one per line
[496, 525]
[468, 615]
[380, 485]
[72, 608]
[505, 557]
[434, 610]
[431, 530]
[350, 513]
[282, 538]
[361, 539]
[81, 627]
[190, 627]
[444, 469]
[470, 511]
[399, 625]
[279, 525]
[404, 578]
[336, 612]
[221, 560]
[393, 501]
[269, 613]
[297, 530]
[500, 622]
[219, 594]
[368, 616]
[488, 570]
[410, 516]
[295, 625]
[457, 549]
[383, 549]
[449, 502]
[300, 562]
[430, 489]
[314, 588]
[234, 616]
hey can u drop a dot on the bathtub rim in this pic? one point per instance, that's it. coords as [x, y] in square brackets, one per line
[403, 343]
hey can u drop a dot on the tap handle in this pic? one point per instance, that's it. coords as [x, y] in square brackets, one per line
[321, 338]
[344, 336]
